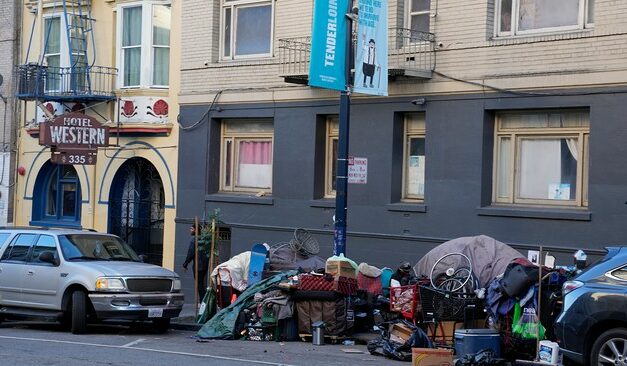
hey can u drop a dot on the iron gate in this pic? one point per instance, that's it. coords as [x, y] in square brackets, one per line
[136, 208]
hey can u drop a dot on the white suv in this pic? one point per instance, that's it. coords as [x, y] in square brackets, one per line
[78, 276]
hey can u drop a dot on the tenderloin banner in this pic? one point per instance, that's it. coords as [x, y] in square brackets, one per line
[73, 138]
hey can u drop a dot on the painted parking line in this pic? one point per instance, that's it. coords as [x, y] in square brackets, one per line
[200, 355]
[138, 341]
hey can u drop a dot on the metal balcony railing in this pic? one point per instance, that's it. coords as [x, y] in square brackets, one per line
[410, 53]
[65, 84]
[294, 54]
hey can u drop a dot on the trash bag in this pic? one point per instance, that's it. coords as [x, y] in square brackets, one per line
[485, 357]
[526, 323]
[207, 307]
[385, 347]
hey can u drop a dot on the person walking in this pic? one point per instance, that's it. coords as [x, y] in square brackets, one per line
[203, 264]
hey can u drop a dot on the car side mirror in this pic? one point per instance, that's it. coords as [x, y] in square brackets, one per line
[48, 257]
[143, 258]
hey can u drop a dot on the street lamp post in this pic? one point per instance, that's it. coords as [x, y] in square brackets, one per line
[341, 187]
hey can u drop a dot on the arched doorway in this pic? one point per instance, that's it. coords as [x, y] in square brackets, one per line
[57, 196]
[136, 208]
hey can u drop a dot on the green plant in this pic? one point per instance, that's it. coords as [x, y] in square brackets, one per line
[208, 232]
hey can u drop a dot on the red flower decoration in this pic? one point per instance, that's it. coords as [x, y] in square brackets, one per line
[160, 108]
[128, 108]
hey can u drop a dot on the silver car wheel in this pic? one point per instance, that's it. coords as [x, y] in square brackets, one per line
[613, 352]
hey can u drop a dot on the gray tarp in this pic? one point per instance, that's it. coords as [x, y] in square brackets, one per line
[222, 325]
[489, 257]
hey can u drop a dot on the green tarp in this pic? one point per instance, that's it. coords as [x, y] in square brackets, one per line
[222, 325]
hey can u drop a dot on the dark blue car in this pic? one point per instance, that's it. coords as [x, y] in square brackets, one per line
[592, 327]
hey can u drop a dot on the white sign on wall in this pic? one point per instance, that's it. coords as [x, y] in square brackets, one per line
[357, 170]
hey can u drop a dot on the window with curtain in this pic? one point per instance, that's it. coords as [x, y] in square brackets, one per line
[246, 163]
[131, 45]
[541, 158]
[414, 157]
[52, 52]
[145, 44]
[246, 29]
[161, 45]
[515, 17]
[332, 136]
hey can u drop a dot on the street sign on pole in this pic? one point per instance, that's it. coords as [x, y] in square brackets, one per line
[357, 170]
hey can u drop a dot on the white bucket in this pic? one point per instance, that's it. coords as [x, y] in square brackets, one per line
[549, 352]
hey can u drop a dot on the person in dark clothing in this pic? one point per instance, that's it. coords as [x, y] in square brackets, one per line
[203, 264]
[404, 274]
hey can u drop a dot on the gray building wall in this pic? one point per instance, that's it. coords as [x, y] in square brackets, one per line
[382, 231]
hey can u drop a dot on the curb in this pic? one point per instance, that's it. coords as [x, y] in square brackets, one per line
[185, 326]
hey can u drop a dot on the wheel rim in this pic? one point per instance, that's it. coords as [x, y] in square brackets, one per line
[613, 352]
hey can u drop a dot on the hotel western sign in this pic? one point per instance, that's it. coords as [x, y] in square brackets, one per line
[73, 138]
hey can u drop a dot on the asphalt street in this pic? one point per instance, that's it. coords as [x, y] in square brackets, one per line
[44, 344]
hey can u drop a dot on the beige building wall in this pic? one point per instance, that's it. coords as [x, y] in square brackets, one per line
[465, 48]
[96, 180]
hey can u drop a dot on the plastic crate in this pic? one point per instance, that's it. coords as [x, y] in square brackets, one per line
[404, 299]
[267, 316]
[444, 305]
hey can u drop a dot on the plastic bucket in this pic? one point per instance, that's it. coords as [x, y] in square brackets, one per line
[471, 341]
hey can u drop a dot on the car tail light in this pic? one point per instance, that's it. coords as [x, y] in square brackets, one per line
[569, 286]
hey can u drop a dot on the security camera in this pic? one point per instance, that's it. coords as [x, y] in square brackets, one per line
[355, 10]
[440, 44]
[206, 63]
[419, 101]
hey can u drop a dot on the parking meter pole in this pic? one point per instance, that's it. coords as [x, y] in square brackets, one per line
[341, 180]
[339, 237]
[196, 265]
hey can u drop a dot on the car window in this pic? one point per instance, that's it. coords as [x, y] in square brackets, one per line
[18, 249]
[620, 273]
[44, 243]
[95, 247]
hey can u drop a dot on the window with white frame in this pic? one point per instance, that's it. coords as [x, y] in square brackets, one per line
[246, 150]
[144, 57]
[418, 15]
[247, 28]
[542, 158]
[332, 136]
[52, 51]
[519, 17]
[414, 157]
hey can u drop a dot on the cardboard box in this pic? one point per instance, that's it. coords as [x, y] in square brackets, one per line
[339, 268]
[431, 357]
[400, 333]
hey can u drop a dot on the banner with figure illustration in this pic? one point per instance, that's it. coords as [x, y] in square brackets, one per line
[371, 54]
[327, 66]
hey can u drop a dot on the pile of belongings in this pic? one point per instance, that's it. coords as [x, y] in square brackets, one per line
[513, 303]
[396, 340]
[489, 257]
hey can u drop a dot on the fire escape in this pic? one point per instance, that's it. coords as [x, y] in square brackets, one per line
[73, 76]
